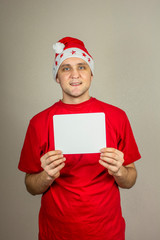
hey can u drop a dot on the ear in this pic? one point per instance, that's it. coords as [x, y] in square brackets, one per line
[57, 80]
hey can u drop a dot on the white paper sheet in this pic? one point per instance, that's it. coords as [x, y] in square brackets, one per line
[79, 133]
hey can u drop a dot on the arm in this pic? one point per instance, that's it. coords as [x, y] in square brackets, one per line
[112, 159]
[52, 162]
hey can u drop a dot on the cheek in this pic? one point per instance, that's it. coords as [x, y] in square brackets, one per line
[86, 75]
[61, 78]
[88, 79]
[63, 83]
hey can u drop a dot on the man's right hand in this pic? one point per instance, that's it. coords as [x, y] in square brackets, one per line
[52, 162]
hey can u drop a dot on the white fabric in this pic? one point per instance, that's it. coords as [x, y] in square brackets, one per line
[72, 52]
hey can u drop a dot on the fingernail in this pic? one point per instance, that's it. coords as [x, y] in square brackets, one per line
[59, 151]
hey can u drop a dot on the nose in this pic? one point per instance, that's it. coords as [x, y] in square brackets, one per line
[75, 73]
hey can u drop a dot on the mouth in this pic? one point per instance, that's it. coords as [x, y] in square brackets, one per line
[75, 83]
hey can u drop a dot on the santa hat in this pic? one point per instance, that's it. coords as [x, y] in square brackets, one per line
[70, 47]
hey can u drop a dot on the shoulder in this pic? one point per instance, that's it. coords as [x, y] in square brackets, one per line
[41, 117]
[116, 118]
[110, 109]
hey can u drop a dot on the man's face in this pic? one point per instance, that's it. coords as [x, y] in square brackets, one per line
[74, 76]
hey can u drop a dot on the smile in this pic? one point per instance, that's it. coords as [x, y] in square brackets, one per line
[75, 83]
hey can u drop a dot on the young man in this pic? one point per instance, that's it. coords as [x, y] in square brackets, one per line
[80, 194]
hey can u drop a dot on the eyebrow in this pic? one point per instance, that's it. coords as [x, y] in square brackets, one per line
[65, 65]
[68, 65]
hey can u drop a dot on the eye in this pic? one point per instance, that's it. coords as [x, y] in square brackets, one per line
[81, 67]
[66, 69]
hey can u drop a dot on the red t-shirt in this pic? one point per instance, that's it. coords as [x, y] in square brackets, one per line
[84, 202]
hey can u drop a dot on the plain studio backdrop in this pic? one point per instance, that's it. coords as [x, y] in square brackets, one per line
[124, 39]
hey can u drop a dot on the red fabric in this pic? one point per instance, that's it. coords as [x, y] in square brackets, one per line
[84, 202]
[70, 42]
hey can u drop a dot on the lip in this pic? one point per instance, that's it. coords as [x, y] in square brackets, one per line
[74, 84]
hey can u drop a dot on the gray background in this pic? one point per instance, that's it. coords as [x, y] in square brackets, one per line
[124, 39]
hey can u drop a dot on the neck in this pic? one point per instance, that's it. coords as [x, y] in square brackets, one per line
[75, 100]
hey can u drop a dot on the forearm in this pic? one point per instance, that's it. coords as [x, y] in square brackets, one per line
[38, 183]
[126, 177]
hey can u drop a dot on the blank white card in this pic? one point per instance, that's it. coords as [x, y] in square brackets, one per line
[79, 133]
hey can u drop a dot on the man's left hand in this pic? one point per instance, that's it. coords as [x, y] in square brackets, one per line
[112, 159]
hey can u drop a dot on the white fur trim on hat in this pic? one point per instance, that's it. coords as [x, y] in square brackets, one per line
[71, 52]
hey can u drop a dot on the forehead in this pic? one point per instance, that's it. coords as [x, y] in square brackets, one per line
[73, 61]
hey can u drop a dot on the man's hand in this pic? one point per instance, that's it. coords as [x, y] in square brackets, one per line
[52, 162]
[112, 159]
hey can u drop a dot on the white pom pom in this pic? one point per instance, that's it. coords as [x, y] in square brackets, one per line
[58, 47]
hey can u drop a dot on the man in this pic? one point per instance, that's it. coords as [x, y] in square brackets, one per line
[80, 194]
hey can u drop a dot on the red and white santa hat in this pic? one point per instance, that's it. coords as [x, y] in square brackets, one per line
[70, 47]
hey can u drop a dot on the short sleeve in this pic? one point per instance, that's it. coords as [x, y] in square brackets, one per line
[30, 154]
[127, 143]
